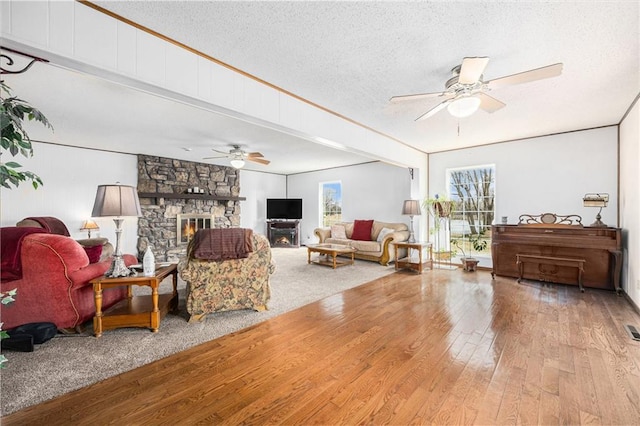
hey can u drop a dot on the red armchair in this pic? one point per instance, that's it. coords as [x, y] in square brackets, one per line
[55, 283]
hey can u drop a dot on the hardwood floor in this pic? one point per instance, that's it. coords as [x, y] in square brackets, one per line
[444, 347]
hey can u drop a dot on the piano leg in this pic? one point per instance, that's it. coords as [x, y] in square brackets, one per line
[580, 271]
[520, 265]
[617, 269]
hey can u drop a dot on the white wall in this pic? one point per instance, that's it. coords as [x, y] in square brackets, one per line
[257, 187]
[547, 174]
[71, 177]
[630, 201]
[369, 191]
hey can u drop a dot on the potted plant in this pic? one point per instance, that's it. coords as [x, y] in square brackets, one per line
[470, 263]
[5, 299]
[439, 207]
[15, 139]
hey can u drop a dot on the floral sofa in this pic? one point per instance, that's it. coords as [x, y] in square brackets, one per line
[223, 285]
[375, 246]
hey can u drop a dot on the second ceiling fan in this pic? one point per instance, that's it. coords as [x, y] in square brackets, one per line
[465, 91]
[238, 156]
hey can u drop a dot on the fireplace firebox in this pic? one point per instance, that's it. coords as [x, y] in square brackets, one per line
[189, 224]
[284, 233]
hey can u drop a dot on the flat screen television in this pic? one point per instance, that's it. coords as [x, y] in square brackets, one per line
[284, 208]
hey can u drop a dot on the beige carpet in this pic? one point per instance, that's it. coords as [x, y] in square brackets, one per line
[66, 363]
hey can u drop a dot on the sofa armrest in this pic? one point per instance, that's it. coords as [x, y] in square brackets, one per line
[322, 234]
[398, 236]
[82, 276]
[387, 253]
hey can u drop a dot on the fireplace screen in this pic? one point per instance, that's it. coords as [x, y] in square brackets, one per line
[189, 224]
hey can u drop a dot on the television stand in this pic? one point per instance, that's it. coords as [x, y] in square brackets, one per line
[283, 233]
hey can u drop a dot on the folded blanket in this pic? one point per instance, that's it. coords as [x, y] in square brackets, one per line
[52, 224]
[10, 246]
[221, 244]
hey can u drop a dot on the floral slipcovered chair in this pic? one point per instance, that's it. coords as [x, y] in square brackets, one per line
[224, 285]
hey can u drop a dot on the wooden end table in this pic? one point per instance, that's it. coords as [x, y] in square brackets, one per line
[408, 262]
[135, 311]
[332, 250]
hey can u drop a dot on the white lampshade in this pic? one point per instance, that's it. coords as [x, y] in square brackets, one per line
[464, 106]
[117, 201]
[236, 163]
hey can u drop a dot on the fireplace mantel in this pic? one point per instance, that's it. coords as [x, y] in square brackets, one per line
[157, 195]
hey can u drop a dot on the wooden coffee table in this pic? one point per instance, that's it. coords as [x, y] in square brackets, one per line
[135, 311]
[332, 250]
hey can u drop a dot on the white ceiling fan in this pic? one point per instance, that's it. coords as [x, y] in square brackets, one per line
[238, 156]
[465, 91]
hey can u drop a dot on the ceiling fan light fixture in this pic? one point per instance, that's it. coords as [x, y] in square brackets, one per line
[237, 163]
[464, 106]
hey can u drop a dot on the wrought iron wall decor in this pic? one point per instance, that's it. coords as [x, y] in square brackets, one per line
[7, 61]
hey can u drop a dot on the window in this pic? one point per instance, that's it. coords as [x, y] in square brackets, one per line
[473, 192]
[330, 203]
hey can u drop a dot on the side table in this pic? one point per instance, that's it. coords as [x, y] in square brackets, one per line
[135, 311]
[410, 263]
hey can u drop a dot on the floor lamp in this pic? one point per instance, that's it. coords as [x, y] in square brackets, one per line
[117, 201]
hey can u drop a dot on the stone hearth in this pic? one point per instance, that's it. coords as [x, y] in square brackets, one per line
[158, 224]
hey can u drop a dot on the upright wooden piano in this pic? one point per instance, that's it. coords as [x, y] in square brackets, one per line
[598, 250]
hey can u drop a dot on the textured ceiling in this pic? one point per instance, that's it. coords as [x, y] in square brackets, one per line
[351, 57]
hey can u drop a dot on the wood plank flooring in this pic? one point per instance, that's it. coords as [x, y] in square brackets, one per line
[444, 347]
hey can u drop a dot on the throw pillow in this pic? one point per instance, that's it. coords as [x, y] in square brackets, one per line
[383, 233]
[338, 231]
[93, 253]
[362, 230]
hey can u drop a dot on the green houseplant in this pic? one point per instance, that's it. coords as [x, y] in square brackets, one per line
[469, 263]
[5, 299]
[15, 139]
[440, 208]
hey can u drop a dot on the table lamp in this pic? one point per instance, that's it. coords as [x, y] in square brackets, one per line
[596, 200]
[117, 201]
[89, 225]
[411, 208]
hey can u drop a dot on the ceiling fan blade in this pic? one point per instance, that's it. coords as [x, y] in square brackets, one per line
[433, 110]
[211, 158]
[220, 152]
[489, 103]
[254, 154]
[526, 76]
[258, 160]
[472, 69]
[415, 97]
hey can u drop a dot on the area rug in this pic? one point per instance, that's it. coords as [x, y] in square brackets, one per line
[67, 363]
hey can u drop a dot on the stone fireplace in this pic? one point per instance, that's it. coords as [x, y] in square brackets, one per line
[168, 208]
